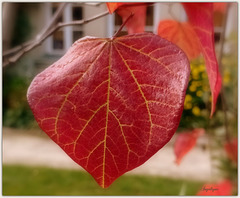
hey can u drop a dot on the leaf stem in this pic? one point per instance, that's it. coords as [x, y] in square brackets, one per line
[56, 15]
[124, 23]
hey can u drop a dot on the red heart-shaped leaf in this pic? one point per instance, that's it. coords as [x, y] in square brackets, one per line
[111, 104]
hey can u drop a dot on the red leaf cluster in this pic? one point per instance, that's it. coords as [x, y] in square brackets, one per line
[193, 37]
[109, 103]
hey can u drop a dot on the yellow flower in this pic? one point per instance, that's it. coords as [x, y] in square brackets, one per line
[201, 68]
[204, 75]
[196, 111]
[210, 98]
[199, 93]
[191, 66]
[192, 88]
[188, 98]
[226, 77]
[187, 106]
[205, 88]
[195, 73]
[197, 83]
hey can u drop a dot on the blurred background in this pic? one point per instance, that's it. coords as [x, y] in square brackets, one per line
[34, 165]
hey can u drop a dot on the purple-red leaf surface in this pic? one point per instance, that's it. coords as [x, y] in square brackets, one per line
[111, 104]
[200, 15]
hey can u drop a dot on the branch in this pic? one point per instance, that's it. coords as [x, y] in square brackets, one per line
[81, 22]
[55, 17]
[43, 36]
[121, 27]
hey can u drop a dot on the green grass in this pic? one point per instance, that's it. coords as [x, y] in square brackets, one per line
[20, 180]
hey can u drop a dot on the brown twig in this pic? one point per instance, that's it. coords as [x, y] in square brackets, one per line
[81, 22]
[16, 49]
[45, 34]
[123, 24]
[53, 21]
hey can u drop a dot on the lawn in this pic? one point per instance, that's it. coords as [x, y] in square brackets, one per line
[21, 180]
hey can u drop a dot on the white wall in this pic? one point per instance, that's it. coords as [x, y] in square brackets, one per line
[96, 28]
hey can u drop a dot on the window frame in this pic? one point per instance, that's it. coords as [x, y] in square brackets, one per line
[67, 31]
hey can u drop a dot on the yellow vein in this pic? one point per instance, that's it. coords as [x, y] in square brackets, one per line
[70, 91]
[107, 112]
[80, 133]
[91, 152]
[129, 37]
[145, 54]
[162, 103]
[124, 137]
[113, 157]
[140, 89]
[124, 101]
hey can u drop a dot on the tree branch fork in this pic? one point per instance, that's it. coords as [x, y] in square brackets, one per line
[14, 54]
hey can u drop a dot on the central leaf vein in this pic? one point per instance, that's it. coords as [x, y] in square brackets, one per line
[70, 91]
[107, 113]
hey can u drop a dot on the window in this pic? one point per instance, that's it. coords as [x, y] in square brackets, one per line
[57, 38]
[62, 39]
[54, 8]
[57, 41]
[77, 14]
[149, 16]
[77, 35]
